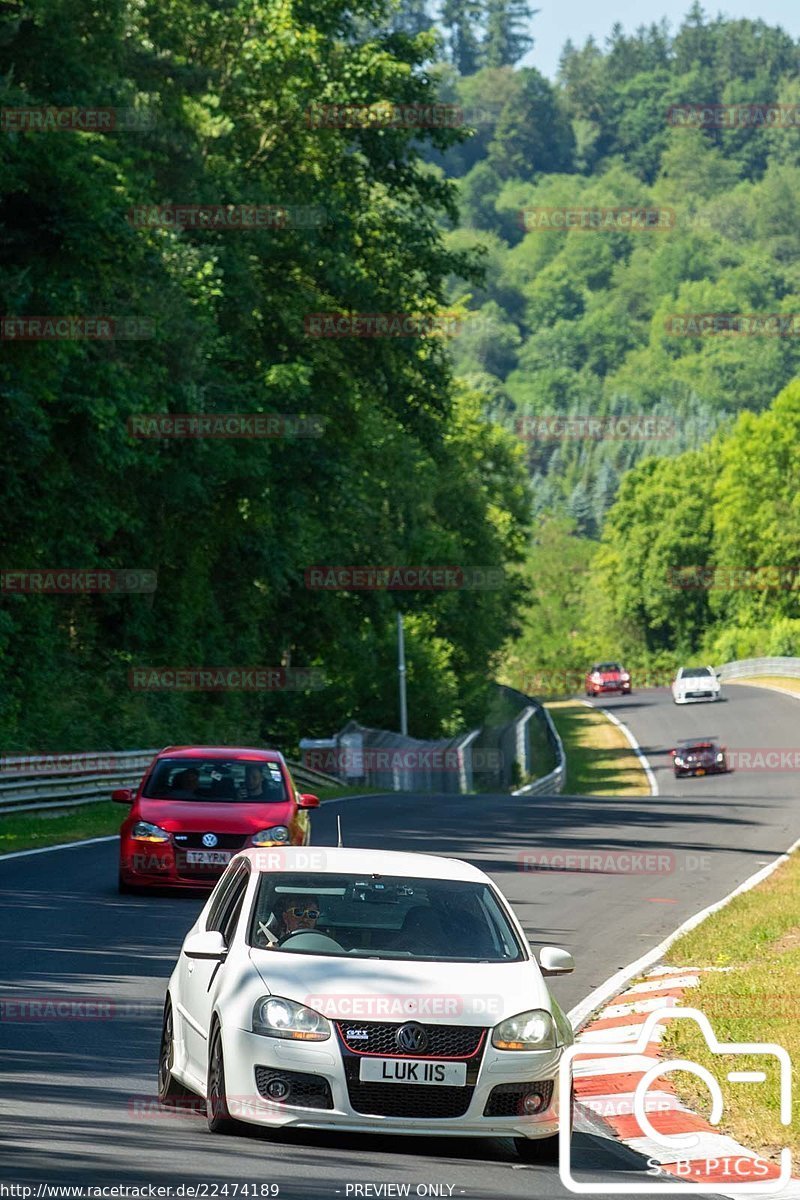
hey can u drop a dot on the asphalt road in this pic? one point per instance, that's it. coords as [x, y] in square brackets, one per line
[76, 1096]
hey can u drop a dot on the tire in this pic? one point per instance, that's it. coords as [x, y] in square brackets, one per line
[169, 1089]
[218, 1116]
[125, 889]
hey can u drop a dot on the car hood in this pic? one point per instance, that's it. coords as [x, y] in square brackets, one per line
[701, 756]
[223, 816]
[373, 990]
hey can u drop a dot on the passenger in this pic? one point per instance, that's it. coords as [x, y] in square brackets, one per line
[256, 787]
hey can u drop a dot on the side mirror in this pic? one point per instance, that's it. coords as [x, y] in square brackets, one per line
[554, 961]
[208, 943]
[307, 800]
[122, 795]
[673, 753]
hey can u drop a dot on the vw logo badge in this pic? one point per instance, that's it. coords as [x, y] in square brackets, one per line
[412, 1038]
[209, 839]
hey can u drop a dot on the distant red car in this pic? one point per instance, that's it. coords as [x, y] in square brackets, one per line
[198, 805]
[605, 677]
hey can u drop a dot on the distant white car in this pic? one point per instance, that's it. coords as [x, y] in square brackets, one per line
[695, 684]
[404, 998]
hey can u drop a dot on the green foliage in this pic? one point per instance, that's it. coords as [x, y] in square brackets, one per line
[408, 470]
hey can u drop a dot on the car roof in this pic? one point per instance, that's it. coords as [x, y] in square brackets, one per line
[342, 860]
[221, 752]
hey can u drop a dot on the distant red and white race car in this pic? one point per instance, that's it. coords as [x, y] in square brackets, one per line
[607, 677]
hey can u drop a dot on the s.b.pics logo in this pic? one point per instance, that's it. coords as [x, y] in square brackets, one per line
[671, 1137]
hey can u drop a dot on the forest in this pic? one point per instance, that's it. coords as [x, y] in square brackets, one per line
[383, 451]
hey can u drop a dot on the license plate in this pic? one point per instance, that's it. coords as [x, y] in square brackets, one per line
[209, 858]
[404, 1070]
[700, 771]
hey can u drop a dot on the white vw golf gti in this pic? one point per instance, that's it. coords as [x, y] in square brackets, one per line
[366, 990]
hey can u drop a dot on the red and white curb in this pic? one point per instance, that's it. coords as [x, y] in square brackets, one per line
[605, 1086]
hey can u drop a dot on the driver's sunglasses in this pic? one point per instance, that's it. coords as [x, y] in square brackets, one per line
[313, 913]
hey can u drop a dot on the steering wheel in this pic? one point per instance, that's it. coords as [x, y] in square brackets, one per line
[316, 933]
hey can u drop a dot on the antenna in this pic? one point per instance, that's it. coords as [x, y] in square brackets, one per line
[340, 843]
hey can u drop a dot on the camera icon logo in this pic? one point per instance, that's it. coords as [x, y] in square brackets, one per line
[680, 1144]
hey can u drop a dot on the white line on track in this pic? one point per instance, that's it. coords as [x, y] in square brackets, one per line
[632, 742]
[617, 982]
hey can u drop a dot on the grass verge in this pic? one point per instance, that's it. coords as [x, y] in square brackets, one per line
[50, 827]
[756, 999]
[788, 682]
[600, 761]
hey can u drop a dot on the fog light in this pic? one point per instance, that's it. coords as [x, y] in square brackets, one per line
[532, 1103]
[277, 1089]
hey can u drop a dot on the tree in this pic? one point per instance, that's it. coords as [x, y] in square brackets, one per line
[506, 39]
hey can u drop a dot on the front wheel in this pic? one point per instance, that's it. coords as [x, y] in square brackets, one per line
[218, 1114]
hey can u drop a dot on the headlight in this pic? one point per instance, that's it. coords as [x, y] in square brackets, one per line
[268, 837]
[678, 761]
[720, 758]
[533, 1030]
[143, 831]
[625, 677]
[275, 1017]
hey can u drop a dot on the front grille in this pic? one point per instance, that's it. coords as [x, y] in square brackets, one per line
[305, 1091]
[194, 841]
[443, 1041]
[460, 1042]
[408, 1099]
[505, 1100]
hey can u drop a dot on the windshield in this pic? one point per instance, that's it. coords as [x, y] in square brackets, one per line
[384, 917]
[608, 667]
[695, 672]
[215, 779]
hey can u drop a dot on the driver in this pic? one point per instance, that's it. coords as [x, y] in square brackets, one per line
[294, 912]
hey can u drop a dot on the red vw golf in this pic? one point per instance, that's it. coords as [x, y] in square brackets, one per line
[198, 805]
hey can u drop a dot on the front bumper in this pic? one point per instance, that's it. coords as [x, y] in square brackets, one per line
[245, 1051]
[695, 697]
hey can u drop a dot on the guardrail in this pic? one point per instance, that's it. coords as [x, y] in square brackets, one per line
[790, 667]
[554, 781]
[28, 784]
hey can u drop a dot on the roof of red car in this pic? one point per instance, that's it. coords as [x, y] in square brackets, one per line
[222, 752]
